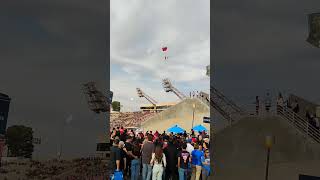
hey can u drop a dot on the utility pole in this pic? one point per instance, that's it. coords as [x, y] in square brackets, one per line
[193, 109]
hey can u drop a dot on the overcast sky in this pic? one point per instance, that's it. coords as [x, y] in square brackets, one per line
[139, 29]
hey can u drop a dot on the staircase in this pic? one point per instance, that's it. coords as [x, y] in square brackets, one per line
[226, 107]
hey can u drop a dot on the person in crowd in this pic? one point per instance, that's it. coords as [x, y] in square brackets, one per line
[190, 147]
[192, 132]
[118, 132]
[312, 123]
[147, 150]
[280, 103]
[121, 130]
[129, 155]
[115, 156]
[288, 104]
[123, 160]
[268, 102]
[158, 161]
[296, 107]
[185, 134]
[308, 116]
[200, 140]
[184, 158]
[196, 162]
[205, 161]
[316, 120]
[171, 152]
[206, 144]
[257, 105]
[135, 163]
[123, 135]
[113, 135]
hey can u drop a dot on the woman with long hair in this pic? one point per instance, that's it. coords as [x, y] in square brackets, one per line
[158, 161]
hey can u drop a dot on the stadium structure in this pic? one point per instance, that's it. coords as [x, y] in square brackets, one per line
[160, 116]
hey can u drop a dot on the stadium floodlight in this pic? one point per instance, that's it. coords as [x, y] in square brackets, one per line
[140, 93]
[96, 100]
[150, 99]
[167, 85]
[314, 29]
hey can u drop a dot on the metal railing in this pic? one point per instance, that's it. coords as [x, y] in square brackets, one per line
[301, 124]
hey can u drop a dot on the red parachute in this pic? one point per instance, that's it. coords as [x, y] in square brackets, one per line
[164, 49]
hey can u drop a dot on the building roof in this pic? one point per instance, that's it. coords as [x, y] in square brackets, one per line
[159, 104]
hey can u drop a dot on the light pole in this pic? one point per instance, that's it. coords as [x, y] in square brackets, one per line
[268, 142]
[193, 109]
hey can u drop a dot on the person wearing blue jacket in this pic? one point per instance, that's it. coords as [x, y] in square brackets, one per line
[196, 162]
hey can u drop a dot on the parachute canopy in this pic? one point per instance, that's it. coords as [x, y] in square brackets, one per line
[164, 48]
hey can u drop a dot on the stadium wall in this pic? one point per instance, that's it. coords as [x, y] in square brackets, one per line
[180, 114]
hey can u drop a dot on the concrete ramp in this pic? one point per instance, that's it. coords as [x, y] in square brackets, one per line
[180, 114]
[240, 153]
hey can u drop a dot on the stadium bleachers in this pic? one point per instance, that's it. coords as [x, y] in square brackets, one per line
[129, 119]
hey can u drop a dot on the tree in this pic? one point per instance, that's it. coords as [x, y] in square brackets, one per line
[19, 141]
[116, 106]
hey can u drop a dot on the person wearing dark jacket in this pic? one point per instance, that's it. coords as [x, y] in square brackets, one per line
[171, 152]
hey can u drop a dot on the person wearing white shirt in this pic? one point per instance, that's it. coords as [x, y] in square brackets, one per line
[190, 148]
[158, 161]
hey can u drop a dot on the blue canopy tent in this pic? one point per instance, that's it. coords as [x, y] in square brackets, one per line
[175, 129]
[199, 128]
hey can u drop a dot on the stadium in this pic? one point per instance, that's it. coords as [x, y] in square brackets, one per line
[186, 113]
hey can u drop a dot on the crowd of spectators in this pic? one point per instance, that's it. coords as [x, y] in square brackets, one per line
[310, 116]
[157, 156]
[130, 119]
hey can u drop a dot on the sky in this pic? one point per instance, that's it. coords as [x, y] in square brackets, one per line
[139, 29]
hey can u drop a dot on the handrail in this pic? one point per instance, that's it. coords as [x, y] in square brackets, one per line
[299, 123]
